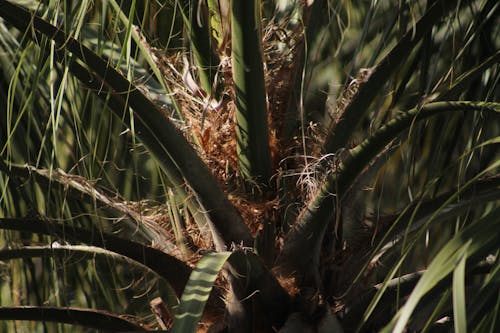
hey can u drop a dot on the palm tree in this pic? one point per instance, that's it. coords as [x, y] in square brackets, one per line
[249, 166]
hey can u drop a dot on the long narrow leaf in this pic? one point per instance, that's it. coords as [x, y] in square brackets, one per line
[97, 319]
[459, 307]
[197, 24]
[254, 156]
[197, 291]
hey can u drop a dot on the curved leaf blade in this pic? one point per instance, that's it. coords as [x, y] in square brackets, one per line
[197, 291]
[97, 319]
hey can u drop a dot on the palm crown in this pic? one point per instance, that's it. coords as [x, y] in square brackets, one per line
[253, 166]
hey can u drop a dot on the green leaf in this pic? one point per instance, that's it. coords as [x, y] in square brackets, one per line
[197, 291]
[254, 157]
[459, 306]
[197, 24]
[98, 319]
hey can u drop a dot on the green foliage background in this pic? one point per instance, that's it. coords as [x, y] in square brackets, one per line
[321, 165]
